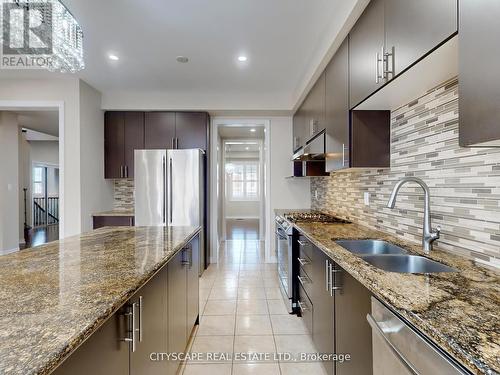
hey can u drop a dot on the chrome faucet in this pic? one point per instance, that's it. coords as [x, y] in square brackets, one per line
[430, 235]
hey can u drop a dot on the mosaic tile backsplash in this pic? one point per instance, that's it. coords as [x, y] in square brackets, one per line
[464, 182]
[124, 194]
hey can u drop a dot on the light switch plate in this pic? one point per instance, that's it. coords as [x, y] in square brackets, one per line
[367, 198]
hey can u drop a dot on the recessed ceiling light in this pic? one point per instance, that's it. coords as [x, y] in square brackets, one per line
[182, 59]
[113, 57]
[253, 130]
[242, 58]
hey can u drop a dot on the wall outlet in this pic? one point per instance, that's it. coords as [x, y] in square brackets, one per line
[367, 198]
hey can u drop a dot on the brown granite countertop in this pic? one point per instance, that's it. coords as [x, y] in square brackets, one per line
[460, 311]
[56, 295]
[116, 212]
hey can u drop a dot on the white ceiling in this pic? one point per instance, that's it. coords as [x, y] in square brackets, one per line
[241, 132]
[286, 41]
[46, 122]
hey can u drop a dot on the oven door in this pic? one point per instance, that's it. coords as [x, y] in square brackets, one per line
[283, 255]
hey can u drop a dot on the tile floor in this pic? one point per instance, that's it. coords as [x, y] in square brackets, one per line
[241, 311]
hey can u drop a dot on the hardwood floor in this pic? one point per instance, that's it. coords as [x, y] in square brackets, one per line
[42, 235]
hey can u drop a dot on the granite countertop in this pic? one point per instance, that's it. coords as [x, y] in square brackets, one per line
[460, 311]
[116, 212]
[56, 295]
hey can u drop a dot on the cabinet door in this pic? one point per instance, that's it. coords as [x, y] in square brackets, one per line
[337, 109]
[414, 28]
[323, 302]
[193, 297]
[152, 337]
[366, 41]
[314, 109]
[177, 307]
[479, 58]
[114, 145]
[191, 130]
[352, 331]
[103, 353]
[133, 140]
[159, 130]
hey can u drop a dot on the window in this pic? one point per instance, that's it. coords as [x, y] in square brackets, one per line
[38, 184]
[243, 181]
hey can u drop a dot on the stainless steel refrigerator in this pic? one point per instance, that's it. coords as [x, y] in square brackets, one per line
[169, 189]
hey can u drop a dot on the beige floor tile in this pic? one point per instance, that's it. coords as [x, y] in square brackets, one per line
[226, 283]
[256, 368]
[302, 369]
[271, 282]
[213, 344]
[216, 325]
[220, 307]
[251, 282]
[253, 325]
[254, 267]
[223, 294]
[204, 369]
[262, 346]
[204, 293]
[294, 344]
[288, 325]
[277, 307]
[250, 274]
[251, 293]
[252, 307]
[273, 293]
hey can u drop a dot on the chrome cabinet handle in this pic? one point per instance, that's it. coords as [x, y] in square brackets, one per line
[302, 306]
[333, 284]
[328, 275]
[380, 332]
[303, 262]
[170, 203]
[131, 314]
[378, 59]
[303, 243]
[141, 308]
[303, 280]
[388, 71]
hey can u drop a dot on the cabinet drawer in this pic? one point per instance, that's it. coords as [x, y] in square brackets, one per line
[306, 247]
[306, 282]
[306, 309]
[305, 262]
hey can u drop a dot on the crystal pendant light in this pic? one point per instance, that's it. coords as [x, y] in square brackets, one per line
[57, 25]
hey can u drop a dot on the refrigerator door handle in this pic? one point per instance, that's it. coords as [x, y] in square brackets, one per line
[171, 193]
[164, 213]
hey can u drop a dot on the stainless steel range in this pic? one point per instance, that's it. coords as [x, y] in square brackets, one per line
[288, 251]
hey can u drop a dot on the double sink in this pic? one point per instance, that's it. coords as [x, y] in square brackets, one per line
[392, 258]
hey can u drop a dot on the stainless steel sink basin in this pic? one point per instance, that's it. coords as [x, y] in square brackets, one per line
[407, 264]
[370, 247]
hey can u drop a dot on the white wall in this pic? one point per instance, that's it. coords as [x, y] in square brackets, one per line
[44, 152]
[9, 182]
[24, 182]
[96, 192]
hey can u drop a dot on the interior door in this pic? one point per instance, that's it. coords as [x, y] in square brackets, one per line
[152, 338]
[114, 145]
[191, 130]
[159, 130]
[133, 139]
[414, 28]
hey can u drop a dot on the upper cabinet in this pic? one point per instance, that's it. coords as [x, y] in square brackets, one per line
[414, 28]
[123, 133]
[392, 35]
[310, 117]
[479, 58]
[366, 44]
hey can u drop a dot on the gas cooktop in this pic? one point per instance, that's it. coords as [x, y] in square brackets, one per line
[313, 217]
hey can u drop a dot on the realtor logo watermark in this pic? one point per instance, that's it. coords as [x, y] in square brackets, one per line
[27, 41]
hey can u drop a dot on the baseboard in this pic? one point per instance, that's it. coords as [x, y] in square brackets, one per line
[5, 252]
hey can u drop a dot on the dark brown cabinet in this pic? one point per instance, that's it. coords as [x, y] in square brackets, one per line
[414, 28]
[193, 280]
[366, 43]
[352, 331]
[337, 109]
[159, 130]
[479, 88]
[123, 134]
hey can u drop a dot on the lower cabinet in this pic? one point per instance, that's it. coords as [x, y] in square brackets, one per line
[334, 307]
[159, 318]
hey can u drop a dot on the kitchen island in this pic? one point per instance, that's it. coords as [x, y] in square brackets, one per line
[58, 295]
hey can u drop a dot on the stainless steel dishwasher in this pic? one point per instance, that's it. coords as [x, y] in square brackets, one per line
[399, 349]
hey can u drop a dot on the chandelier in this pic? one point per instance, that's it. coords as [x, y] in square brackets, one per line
[45, 31]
